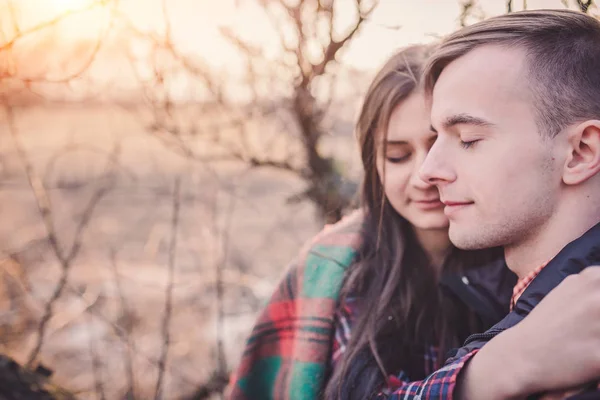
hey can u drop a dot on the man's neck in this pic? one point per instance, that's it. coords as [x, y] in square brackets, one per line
[542, 246]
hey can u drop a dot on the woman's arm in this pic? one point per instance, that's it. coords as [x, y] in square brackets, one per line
[289, 350]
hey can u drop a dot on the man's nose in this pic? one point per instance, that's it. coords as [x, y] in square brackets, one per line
[415, 178]
[436, 168]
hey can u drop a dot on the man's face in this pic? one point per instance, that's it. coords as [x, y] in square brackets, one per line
[497, 175]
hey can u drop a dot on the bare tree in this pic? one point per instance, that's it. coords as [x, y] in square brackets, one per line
[324, 180]
[308, 34]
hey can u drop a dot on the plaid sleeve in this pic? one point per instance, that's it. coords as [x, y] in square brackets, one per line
[288, 352]
[439, 385]
[343, 321]
[267, 355]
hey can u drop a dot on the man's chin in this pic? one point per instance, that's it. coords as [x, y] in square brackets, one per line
[466, 241]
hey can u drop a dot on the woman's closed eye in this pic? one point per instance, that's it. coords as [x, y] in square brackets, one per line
[398, 158]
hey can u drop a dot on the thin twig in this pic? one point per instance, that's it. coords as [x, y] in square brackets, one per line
[87, 63]
[220, 288]
[166, 323]
[66, 264]
[167, 21]
[44, 206]
[127, 337]
[584, 5]
[46, 24]
[41, 196]
[15, 20]
[96, 366]
[466, 10]
[121, 333]
[193, 67]
[82, 147]
[335, 45]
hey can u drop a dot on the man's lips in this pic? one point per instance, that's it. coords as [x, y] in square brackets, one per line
[453, 206]
[456, 203]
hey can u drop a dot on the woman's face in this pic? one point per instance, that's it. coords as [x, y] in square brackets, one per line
[408, 139]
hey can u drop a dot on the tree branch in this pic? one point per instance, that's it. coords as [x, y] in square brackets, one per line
[96, 366]
[166, 324]
[65, 259]
[334, 46]
[15, 21]
[75, 147]
[584, 5]
[125, 310]
[46, 24]
[220, 289]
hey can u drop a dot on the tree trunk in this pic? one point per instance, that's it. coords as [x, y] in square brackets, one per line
[323, 179]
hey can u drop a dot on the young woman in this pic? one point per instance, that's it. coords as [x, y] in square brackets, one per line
[382, 295]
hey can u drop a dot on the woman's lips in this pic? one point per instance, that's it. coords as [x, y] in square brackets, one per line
[428, 204]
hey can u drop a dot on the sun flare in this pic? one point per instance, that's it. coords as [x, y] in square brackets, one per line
[69, 5]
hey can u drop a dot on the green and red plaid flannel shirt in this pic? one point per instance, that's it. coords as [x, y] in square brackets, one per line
[289, 351]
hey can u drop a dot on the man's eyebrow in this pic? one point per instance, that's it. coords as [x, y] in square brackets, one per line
[463, 119]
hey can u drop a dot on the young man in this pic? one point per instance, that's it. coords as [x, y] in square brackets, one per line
[516, 104]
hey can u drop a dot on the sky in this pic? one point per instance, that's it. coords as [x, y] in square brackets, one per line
[418, 21]
[196, 25]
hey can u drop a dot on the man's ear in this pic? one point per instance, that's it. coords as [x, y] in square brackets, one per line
[583, 159]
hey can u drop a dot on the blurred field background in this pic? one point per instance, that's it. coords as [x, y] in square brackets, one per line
[162, 161]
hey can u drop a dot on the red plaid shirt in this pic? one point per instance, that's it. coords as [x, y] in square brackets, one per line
[523, 284]
[439, 385]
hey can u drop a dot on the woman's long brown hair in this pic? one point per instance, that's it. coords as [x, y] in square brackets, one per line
[401, 306]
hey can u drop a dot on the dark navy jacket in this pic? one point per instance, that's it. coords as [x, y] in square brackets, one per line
[573, 258]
